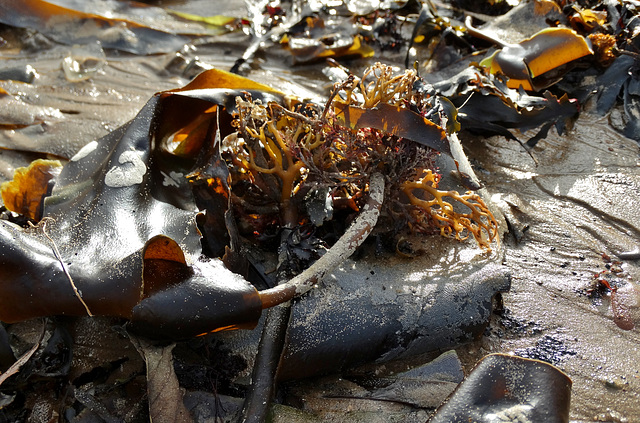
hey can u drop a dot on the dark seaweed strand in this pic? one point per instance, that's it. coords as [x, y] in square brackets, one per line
[264, 376]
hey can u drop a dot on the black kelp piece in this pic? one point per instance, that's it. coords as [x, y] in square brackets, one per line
[622, 81]
[487, 106]
[387, 325]
[119, 234]
[492, 113]
[190, 296]
[427, 19]
[509, 388]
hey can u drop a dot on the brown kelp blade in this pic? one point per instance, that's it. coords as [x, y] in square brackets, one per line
[25, 193]
[396, 121]
[120, 229]
[546, 50]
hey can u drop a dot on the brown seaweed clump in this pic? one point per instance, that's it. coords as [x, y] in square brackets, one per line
[303, 165]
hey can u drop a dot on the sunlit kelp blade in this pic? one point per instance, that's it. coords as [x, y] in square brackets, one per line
[25, 194]
[218, 78]
[217, 24]
[71, 26]
[309, 50]
[545, 51]
[109, 205]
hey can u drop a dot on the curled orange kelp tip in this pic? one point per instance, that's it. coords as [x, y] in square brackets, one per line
[546, 50]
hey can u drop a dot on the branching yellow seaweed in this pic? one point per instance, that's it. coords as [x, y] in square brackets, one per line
[478, 221]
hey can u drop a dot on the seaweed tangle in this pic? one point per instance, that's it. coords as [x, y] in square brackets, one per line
[280, 159]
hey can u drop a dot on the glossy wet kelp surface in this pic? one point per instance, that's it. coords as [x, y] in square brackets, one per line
[564, 196]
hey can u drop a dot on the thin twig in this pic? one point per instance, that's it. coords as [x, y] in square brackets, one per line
[56, 252]
[337, 87]
[291, 113]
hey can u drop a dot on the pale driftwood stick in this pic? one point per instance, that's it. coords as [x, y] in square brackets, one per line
[341, 250]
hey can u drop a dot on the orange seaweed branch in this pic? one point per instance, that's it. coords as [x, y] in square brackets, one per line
[384, 88]
[423, 193]
[280, 156]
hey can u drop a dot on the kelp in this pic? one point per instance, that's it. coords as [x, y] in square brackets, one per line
[607, 75]
[527, 46]
[318, 37]
[486, 105]
[586, 20]
[25, 194]
[114, 29]
[218, 24]
[546, 45]
[620, 81]
[422, 313]
[526, 63]
[126, 197]
[540, 56]
[503, 388]
[434, 33]
[383, 107]
[491, 94]
[226, 157]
